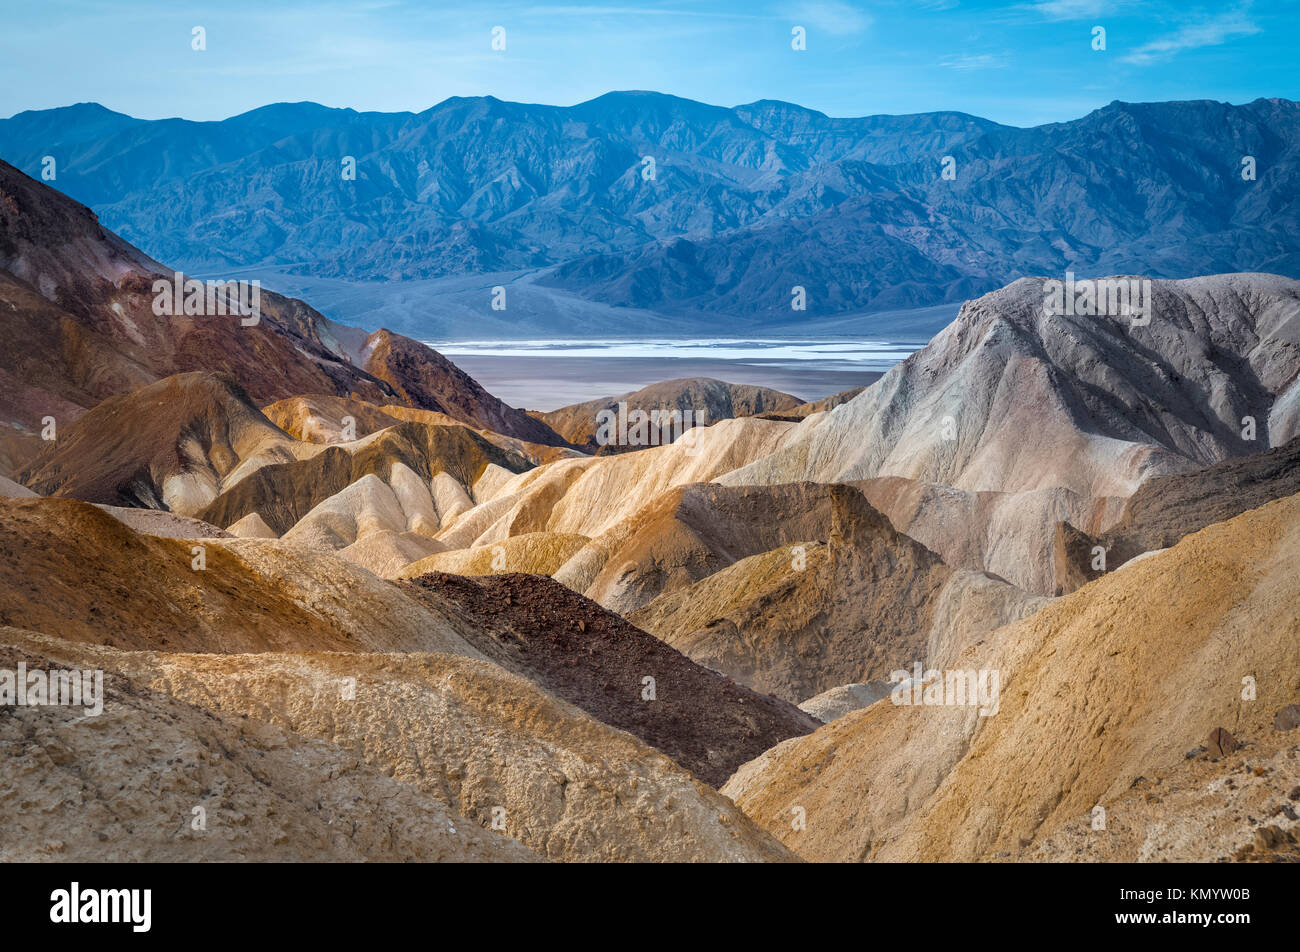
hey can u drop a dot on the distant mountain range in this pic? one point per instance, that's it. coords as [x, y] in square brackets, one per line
[744, 203]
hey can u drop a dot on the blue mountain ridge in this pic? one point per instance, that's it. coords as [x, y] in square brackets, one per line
[745, 203]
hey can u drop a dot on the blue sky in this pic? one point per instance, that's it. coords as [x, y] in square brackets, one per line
[1020, 63]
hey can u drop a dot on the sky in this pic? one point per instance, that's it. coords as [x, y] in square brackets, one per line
[1020, 63]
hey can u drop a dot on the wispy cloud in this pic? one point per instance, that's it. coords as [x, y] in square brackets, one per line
[975, 61]
[1073, 9]
[1212, 32]
[830, 16]
[595, 10]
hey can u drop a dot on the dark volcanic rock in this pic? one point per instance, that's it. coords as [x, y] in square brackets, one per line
[1221, 743]
[1288, 718]
[595, 660]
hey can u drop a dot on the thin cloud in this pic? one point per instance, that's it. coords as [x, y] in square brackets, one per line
[1073, 9]
[831, 16]
[1213, 32]
[974, 61]
[582, 10]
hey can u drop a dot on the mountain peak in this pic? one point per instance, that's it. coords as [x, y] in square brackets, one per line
[77, 110]
[780, 105]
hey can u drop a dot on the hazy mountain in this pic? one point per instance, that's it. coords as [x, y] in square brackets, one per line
[744, 203]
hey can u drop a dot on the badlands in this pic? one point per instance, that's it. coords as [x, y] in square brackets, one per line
[350, 606]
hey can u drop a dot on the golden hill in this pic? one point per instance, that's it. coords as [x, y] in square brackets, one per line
[1107, 685]
[72, 570]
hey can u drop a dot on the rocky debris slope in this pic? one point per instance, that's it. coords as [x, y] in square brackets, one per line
[123, 786]
[19, 444]
[595, 660]
[1170, 507]
[1240, 807]
[166, 525]
[14, 490]
[486, 744]
[707, 400]
[71, 570]
[1096, 690]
